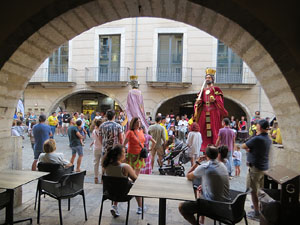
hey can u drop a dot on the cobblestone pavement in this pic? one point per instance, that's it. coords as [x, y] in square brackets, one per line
[49, 208]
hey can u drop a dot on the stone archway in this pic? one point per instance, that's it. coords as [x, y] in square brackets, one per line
[72, 92]
[190, 98]
[257, 45]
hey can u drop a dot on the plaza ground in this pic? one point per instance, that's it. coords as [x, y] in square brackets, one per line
[49, 206]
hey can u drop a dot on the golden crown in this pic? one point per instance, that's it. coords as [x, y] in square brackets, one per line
[133, 77]
[210, 71]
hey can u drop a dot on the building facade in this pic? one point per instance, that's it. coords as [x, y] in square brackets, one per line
[91, 71]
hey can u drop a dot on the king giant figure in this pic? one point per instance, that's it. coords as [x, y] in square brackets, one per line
[209, 110]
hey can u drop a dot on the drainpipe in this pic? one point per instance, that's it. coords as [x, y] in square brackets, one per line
[259, 99]
[135, 43]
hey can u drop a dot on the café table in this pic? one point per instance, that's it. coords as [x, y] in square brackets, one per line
[12, 179]
[163, 187]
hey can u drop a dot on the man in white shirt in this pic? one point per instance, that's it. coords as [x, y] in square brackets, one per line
[215, 185]
[182, 128]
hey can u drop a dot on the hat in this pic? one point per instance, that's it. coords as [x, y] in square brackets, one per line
[264, 124]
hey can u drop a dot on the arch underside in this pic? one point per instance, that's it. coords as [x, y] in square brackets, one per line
[58, 22]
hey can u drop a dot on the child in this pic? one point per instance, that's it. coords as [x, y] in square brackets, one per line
[237, 158]
[83, 133]
[169, 147]
[148, 169]
[171, 131]
[50, 156]
[97, 149]
[30, 134]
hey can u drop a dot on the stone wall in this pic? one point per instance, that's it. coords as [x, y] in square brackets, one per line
[11, 158]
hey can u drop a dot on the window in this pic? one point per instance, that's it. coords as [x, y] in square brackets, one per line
[58, 64]
[169, 65]
[109, 58]
[229, 65]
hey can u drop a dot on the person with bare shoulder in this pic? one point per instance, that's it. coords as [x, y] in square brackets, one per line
[113, 164]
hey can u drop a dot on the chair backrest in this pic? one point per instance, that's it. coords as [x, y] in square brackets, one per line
[226, 212]
[56, 170]
[75, 181]
[238, 204]
[68, 185]
[116, 188]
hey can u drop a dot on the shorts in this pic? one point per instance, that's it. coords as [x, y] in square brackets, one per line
[236, 162]
[60, 124]
[255, 179]
[159, 150]
[77, 149]
[37, 153]
[65, 124]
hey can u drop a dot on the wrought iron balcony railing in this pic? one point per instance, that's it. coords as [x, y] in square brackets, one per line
[169, 75]
[104, 74]
[235, 75]
[54, 74]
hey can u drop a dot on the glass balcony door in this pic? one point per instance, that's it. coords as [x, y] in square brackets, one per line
[229, 65]
[169, 62]
[58, 64]
[109, 58]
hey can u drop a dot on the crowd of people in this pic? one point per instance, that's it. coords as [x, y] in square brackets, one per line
[117, 145]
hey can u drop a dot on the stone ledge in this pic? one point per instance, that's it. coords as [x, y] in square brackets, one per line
[169, 85]
[54, 84]
[107, 84]
[235, 86]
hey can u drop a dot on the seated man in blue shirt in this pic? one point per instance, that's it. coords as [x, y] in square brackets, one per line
[215, 184]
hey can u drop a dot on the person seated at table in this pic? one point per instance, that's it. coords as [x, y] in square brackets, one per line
[51, 156]
[215, 185]
[113, 164]
[222, 157]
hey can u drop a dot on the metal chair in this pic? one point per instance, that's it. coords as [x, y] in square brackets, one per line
[69, 186]
[225, 212]
[56, 172]
[116, 189]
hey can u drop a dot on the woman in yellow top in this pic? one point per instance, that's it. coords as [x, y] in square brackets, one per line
[52, 122]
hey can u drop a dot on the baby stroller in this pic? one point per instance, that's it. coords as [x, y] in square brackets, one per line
[175, 169]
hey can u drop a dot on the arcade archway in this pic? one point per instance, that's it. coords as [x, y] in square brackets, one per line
[184, 104]
[257, 41]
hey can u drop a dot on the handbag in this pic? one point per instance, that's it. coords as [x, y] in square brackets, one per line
[144, 152]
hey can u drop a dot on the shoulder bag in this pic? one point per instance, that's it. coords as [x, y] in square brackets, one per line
[144, 152]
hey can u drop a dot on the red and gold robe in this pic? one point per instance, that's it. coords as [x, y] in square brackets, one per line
[209, 115]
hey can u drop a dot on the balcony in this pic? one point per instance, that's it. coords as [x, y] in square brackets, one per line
[235, 77]
[107, 77]
[169, 77]
[54, 77]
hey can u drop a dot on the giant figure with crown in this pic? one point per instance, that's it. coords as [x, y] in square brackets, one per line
[209, 110]
[135, 104]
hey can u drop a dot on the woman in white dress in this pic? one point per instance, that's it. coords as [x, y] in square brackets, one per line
[194, 141]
